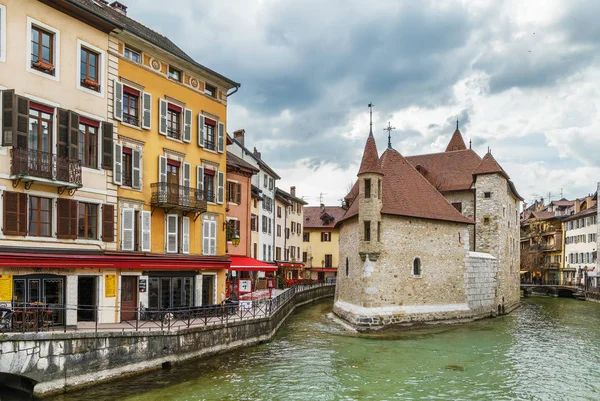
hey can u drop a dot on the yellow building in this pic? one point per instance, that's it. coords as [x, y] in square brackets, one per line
[321, 241]
[169, 168]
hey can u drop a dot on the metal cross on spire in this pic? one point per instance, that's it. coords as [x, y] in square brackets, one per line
[370, 105]
[389, 129]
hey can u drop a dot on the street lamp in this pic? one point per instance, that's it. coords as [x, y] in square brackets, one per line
[235, 240]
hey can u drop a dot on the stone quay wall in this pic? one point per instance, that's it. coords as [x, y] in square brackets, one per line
[60, 362]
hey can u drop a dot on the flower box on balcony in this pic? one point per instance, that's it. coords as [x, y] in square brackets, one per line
[90, 83]
[42, 65]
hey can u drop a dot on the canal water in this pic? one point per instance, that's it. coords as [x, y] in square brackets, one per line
[549, 349]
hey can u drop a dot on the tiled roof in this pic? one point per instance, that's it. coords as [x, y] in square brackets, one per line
[370, 159]
[489, 165]
[287, 196]
[405, 192]
[238, 163]
[586, 212]
[256, 192]
[312, 216]
[543, 215]
[258, 160]
[106, 12]
[447, 171]
[456, 142]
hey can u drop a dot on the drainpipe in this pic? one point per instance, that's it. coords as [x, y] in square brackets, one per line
[237, 88]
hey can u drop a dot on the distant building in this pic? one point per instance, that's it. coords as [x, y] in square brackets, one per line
[320, 247]
[581, 246]
[288, 240]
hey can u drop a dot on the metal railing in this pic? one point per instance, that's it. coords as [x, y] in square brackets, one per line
[132, 120]
[174, 195]
[29, 162]
[41, 319]
[555, 282]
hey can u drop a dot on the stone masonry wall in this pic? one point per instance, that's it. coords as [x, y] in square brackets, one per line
[63, 361]
[481, 282]
[467, 198]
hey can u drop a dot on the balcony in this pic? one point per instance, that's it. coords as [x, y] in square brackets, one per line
[31, 166]
[177, 197]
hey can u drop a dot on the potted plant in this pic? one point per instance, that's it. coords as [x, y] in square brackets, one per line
[42, 65]
[90, 83]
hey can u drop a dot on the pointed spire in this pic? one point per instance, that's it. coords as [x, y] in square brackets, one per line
[489, 165]
[389, 129]
[370, 159]
[456, 142]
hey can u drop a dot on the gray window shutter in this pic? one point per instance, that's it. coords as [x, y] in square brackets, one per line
[205, 237]
[187, 125]
[187, 173]
[63, 133]
[21, 123]
[118, 165]
[73, 135]
[146, 110]
[221, 138]
[200, 130]
[221, 189]
[127, 229]
[8, 117]
[162, 169]
[136, 169]
[199, 183]
[118, 100]
[162, 118]
[171, 237]
[107, 146]
[185, 235]
[145, 229]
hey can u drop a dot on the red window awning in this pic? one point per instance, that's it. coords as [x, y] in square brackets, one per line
[245, 263]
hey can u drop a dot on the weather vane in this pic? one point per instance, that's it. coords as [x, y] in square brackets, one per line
[389, 129]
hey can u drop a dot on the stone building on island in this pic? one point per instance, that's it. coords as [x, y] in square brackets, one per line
[430, 238]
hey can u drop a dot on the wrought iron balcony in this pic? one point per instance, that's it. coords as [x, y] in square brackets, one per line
[178, 197]
[31, 165]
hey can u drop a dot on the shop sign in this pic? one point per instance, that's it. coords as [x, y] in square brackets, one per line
[244, 286]
[143, 285]
[245, 305]
[6, 287]
[110, 289]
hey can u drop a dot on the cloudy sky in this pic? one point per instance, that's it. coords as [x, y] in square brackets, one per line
[522, 77]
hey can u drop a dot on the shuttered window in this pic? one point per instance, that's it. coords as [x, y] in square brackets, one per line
[108, 223]
[87, 221]
[66, 218]
[209, 237]
[145, 229]
[172, 231]
[185, 235]
[15, 213]
[107, 146]
[127, 229]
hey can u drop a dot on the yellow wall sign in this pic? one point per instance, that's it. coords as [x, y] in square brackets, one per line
[6, 287]
[110, 286]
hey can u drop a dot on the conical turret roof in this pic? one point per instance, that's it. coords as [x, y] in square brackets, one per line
[370, 159]
[456, 142]
[489, 165]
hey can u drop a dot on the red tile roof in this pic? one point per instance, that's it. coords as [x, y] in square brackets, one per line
[456, 142]
[489, 165]
[312, 216]
[447, 171]
[405, 192]
[370, 159]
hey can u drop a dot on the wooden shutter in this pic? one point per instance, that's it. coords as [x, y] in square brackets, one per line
[162, 117]
[108, 223]
[238, 195]
[171, 244]
[162, 169]
[187, 173]
[145, 234]
[66, 218]
[221, 138]
[63, 133]
[200, 130]
[22, 123]
[205, 237]
[118, 165]
[118, 100]
[185, 234]
[146, 110]
[107, 146]
[73, 135]
[15, 213]
[187, 125]
[136, 169]
[199, 182]
[127, 229]
[221, 189]
[213, 237]
[8, 119]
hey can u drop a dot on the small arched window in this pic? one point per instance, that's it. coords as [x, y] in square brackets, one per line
[417, 268]
[347, 267]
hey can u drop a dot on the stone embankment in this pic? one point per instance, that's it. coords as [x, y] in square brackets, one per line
[59, 362]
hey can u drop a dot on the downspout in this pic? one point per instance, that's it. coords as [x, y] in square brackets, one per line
[237, 88]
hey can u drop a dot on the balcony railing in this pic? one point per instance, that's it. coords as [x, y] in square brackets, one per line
[178, 197]
[33, 163]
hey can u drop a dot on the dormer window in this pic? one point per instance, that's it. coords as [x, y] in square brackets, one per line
[420, 169]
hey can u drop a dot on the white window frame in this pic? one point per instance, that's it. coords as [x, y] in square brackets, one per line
[98, 169]
[101, 68]
[2, 33]
[211, 220]
[56, 56]
[125, 48]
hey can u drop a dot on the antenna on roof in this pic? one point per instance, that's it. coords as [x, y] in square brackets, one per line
[321, 197]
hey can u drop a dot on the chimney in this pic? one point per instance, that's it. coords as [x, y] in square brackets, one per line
[322, 207]
[577, 206]
[256, 153]
[293, 191]
[119, 7]
[239, 136]
[588, 202]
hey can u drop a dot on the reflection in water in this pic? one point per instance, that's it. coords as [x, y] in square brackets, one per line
[546, 350]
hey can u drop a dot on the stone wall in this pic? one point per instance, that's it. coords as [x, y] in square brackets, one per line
[64, 361]
[467, 199]
[481, 282]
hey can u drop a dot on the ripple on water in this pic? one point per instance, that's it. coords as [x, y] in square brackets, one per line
[546, 350]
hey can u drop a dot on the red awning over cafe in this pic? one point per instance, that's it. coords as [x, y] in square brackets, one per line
[290, 264]
[245, 263]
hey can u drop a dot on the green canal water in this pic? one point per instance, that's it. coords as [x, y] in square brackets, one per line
[549, 349]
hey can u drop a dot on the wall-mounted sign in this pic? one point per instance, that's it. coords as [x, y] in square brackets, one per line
[6, 289]
[143, 285]
[110, 286]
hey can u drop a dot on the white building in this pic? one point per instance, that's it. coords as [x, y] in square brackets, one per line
[265, 181]
[581, 230]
